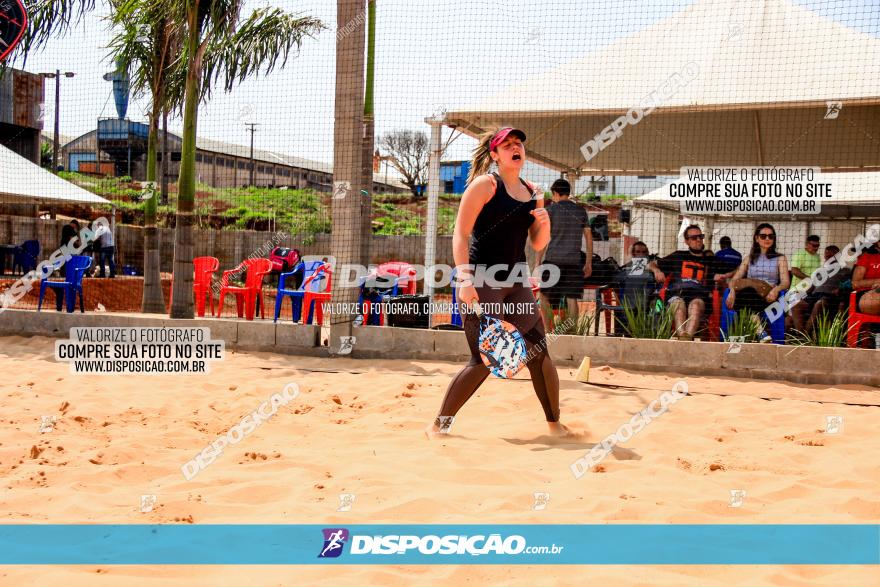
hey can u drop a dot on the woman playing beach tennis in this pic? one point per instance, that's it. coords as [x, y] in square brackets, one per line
[501, 211]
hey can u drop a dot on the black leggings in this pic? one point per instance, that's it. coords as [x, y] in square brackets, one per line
[544, 377]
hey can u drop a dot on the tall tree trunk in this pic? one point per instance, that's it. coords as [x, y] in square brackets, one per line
[165, 156]
[182, 293]
[347, 213]
[369, 140]
[153, 302]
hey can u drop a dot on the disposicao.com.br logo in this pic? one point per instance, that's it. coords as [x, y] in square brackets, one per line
[393, 544]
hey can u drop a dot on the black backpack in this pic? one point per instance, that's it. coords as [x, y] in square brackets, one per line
[604, 270]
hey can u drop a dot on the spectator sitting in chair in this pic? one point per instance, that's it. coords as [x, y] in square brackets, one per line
[728, 254]
[695, 272]
[828, 297]
[640, 276]
[866, 275]
[803, 263]
[760, 278]
[637, 282]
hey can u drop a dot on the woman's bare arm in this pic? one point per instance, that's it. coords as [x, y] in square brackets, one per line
[859, 281]
[784, 277]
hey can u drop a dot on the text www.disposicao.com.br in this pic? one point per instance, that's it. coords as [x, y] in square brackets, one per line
[139, 366]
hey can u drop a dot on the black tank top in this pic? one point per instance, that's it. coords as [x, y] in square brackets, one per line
[501, 230]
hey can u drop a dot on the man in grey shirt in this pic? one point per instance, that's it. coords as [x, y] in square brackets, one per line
[569, 226]
[105, 249]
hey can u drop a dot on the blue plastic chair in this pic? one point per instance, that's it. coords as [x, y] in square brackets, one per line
[295, 295]
[776, 329]
[373, 318]
[75, 270]
[26, 256]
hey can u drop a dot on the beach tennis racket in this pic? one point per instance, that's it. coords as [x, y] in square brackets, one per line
[502, 347]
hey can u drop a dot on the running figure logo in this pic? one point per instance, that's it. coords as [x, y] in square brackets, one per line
[147, 503]
[833, 424]
[341, 189]
[833, 110]
[639, 264]
[736, 498]
[541, 499]
[47, 423]
[445, 423]
[736, 343]
[346, 344]
[334, 541]
[345, 502]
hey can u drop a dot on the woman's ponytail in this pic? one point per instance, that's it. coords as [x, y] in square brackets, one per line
[481, 160]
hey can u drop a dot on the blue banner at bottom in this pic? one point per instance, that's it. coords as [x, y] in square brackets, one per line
[509, 544]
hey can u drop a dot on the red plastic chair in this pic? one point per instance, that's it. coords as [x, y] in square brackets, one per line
[406, 273]
[317, 291]
[856, 321]
[405, 284]
[246, 297]
[203, 276]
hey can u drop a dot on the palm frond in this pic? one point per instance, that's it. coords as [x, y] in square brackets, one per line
[49, 18]
[260, 43]
[147, 44]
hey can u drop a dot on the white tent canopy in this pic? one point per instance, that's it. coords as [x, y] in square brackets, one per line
[854, 195]
[657, 219]
[753, 83]
[25, 182]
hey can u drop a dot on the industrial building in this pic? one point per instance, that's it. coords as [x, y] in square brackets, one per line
[21, 112]
[218, 164]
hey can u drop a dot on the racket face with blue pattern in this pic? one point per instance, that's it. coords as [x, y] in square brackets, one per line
[501, 346]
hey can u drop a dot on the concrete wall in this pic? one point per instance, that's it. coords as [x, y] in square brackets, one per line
[797, 364]
[258, 335]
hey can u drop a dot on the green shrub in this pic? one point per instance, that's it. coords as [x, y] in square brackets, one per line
[743, 326]
[646, 320]
[563, 322]
[826, 332]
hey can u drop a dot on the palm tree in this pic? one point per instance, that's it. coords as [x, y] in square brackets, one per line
[218, 45]
[147, 46]
[369, 136]
[215, 45]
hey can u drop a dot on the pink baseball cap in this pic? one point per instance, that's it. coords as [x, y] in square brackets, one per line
[503, 134]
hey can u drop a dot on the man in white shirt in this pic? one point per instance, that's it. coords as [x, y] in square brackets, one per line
[105, 248]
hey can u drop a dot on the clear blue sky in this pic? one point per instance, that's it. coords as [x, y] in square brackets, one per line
[430, 53]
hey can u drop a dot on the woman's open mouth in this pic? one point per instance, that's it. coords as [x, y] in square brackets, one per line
[517, 157]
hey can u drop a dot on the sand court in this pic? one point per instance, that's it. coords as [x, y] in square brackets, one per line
[355, 428]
